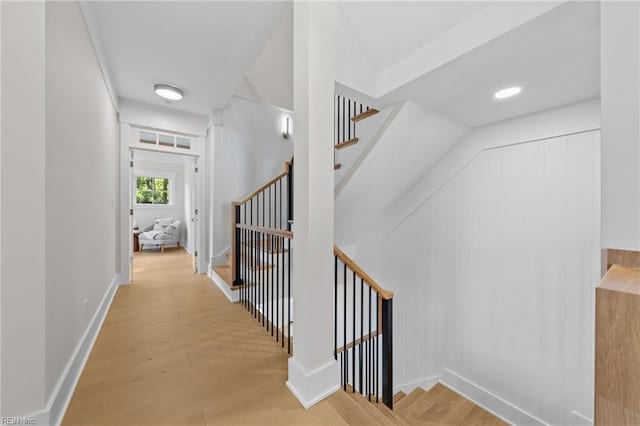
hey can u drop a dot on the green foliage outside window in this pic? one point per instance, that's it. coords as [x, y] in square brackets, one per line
[152, 190]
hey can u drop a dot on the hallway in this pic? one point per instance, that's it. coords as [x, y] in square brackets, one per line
[174, 350]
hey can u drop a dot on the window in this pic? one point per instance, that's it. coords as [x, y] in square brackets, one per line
[183, 142]
[153, 190]
[165, 140]
[146, 137]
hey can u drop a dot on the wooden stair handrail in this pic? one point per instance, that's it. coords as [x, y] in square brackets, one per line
[385, 294]
[270, 231]
[266, 184]
[359, 341]
[261, 188]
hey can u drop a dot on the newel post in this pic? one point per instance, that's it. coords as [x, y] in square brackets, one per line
[289, 194]
[387, 352]
[235, 244]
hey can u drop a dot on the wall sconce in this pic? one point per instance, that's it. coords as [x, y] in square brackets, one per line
[286, 130]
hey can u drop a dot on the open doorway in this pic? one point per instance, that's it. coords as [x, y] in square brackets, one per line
[163, 208]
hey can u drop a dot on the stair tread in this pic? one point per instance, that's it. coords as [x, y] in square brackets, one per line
[378, 410]
[225, 273]
[425, 401]
[412, 397]
[352, 412]
[346, 143]
[365, 114]
[398, 397]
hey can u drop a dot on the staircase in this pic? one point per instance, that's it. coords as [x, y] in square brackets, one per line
[439, 406]
[347, 113]
[259, 269]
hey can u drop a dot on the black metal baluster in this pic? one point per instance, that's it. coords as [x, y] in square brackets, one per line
[343, 129]
[387, 352]
[277, 314]
[369, 346]
[353, 122]
[361, 327]
[353, 336]
[335, 307]
[283, 299]
[338, 122]
[289, 195]
[274, 262]
[280, 183]
[271, 309]
[344, 281]
[349, 121]
[288, 289]
[377, 334]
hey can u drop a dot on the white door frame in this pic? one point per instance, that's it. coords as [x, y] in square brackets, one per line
[126, 199]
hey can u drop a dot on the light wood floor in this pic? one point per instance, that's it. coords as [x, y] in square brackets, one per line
[173, 350]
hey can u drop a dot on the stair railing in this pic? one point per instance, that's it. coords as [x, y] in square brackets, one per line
[261, 254]
[363, 331]
[347, 112]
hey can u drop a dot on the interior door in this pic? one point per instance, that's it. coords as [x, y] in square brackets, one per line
[132, 200]
[195, 219]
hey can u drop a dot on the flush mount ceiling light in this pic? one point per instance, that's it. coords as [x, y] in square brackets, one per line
[508, 92]
[168, 91]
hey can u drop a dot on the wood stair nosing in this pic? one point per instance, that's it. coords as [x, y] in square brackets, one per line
[337, 166]
[366, 114]
[408, 400]
[377, 410]
[433, 398]
[351, 411]
[347, 143]
[398, 397]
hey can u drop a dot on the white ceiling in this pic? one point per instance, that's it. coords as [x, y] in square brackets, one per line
[555, 58]
[390, 31]
[205, 48]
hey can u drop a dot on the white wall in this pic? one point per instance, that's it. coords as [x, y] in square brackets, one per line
[411, 144]
[162, 118]
[23, 208]
[270, 79]
[81, 187]
[248, 151]
[493, 271]
[620, 86]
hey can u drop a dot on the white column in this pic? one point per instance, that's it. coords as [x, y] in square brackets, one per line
[23, 207]
[620, 109]
[313, 373]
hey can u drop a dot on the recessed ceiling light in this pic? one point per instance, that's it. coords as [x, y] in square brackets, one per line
[168, 91]
[508, 92]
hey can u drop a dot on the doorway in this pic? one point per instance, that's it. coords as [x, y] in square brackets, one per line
[163, 207]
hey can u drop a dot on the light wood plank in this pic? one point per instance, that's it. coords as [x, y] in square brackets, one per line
[365, 114]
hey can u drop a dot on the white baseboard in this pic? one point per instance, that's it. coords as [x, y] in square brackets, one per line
[61, 395]
[309, 388]
[490, 402]
[233, 296]
[425, 383]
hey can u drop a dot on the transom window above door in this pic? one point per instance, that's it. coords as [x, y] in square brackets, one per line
[165, 140]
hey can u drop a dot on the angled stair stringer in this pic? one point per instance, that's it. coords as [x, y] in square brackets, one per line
[351, 159]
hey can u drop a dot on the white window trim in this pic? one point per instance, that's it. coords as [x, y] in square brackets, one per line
[161, 174]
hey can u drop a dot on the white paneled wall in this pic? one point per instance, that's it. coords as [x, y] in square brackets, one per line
[494, 277]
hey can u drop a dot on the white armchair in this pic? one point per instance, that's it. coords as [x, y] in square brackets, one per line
[162, 232]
